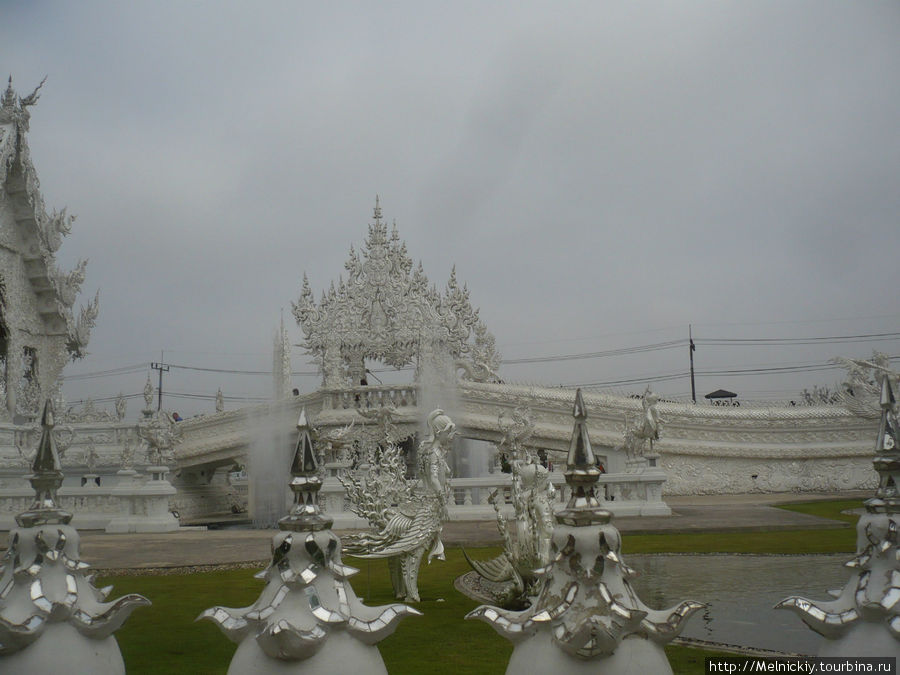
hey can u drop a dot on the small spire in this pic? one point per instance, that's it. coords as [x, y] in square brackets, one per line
[582, 474]
[305, 515]
[581, 455]
[887, 455]
[887, 394]
[46, 478]
[9, 97]
[377, 209]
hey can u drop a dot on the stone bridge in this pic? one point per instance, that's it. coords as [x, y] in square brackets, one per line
[704, 449]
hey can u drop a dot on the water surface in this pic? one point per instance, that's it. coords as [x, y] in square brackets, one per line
[740, 591]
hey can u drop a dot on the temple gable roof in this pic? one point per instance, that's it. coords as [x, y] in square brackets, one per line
[386, 309]
[38, 235]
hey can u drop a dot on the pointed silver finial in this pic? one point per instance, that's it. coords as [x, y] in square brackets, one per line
[887, 394]
[887, 455]
[305, 515]
[582, 474]
[46, 478]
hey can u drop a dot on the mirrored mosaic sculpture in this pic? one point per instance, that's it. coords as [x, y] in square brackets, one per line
[527, 536]
[587, 618]
[864, 620]
[307, 611]
[405, 531]
[52, 618]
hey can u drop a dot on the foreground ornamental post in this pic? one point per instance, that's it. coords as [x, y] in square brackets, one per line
[587, 618]
[308, 611]
[864, 620]
[52, 619]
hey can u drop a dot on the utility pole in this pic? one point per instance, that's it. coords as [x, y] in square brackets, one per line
[161, 367]
[691, 351]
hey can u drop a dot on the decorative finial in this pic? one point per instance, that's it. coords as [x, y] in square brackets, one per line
[305, 515]
[582, 474]
[587, 607]
[9, 97]
[308, 598]
[864, 617]
[887, 455]
[377, 210]
[46, 478]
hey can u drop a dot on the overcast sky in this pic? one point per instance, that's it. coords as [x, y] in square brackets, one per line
[601, 173]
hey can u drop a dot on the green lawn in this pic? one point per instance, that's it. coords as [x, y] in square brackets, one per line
[831, 509]
[164, 638]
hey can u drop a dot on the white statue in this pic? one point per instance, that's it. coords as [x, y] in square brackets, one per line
[220, 401]
[148, 395]
[121, 406]
[862, 386]
[160, 434]
[644, 429]
[527, 540]
[406, 532]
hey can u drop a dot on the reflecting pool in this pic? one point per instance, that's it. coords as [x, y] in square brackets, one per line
[740, 591]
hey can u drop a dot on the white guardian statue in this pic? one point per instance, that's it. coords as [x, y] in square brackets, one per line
[405, 532]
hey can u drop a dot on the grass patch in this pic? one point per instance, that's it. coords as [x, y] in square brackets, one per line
[164, 638]
[829, 509]
[782, 542]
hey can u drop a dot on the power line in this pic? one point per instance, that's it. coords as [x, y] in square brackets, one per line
[593, 355]
[123, 370]
[830, 339]
[623, 351]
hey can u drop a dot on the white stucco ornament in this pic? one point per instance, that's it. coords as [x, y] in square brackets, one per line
[307, 619]
[52, 618]
[388, 311]
[587, 618]
[864, 620]
[406, 523]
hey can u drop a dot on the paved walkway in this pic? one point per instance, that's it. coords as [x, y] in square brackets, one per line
[190, 548]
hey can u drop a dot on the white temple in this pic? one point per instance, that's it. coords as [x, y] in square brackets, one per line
[385, 310]
[39, 331]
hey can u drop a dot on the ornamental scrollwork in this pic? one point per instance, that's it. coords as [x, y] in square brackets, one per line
[387, 310]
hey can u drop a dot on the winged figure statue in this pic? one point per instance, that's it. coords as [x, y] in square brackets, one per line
[405, 532]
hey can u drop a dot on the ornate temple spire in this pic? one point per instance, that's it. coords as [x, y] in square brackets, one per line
[384, 309]
[306, 481]
[9, 96]
[582, 474]
[46, 477]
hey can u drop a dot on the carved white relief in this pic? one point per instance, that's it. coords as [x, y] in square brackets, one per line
[388, 311]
